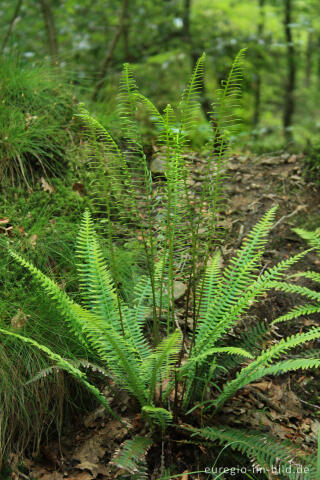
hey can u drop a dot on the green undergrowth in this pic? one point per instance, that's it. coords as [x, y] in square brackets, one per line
[35, 221]
[44, 226]
[36, 120]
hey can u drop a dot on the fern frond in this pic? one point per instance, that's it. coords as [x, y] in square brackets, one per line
[236, 280]
[287, 366]
[209, 285]
[96, 334]
[44, 373]
[252, 339]
[237, 292]
[190, 97]
[264, 450]
[127, 110]
[131, 456]
[60, 298]
[133, 323]
[256, 289]
[161, 361]
[95, 280]
[297, 312]
[225, 123]
[291, 288]
[228, 350]
[315, 276]
[262, 362]
[227, 100]
[313, 238]
[68, 367]
[107, 158]
[159, 415]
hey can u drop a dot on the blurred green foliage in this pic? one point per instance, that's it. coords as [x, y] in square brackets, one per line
[36, 118]
[162, 39]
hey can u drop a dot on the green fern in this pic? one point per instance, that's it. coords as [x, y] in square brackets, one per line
[313, 238]
[131, 457]
[264, 450]
[116, 331]
[128, 173]
[140, 343]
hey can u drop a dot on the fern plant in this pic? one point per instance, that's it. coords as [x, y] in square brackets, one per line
[313, 296]
[114, 330]
[144, 345]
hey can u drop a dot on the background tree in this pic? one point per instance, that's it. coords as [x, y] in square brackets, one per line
[11, 25]
[289, 102]
[163, 40]
[50, 29]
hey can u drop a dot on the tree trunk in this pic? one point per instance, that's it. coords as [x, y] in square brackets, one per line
[205, 104]
[126, 42]
[186, 20]
[259, 59]
[50, 29]
[309, 49]
[11, 25]
[291, 73]
[110, 50]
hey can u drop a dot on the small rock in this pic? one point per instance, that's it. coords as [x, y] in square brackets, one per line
[285, 156]
[292, 159]
[179, 289]
[158, 165]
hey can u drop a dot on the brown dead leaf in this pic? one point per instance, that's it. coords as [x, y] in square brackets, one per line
[4, 221]
[95, 468]
[263, 386]
[79, 188]
[33, 240]
[19, 319]
[90, 420]
[46, 186]
[81, 476]
[315, 425]
[90, 453]
[42, 474]
[185, 475]
[52, 476]
[292, 159]
[87, 466]
[292, 404]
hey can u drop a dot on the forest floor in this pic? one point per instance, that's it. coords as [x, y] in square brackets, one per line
[287, 406]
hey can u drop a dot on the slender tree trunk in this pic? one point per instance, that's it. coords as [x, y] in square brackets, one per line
[50, 29]
[205, 104]
[126, 41]
[309, 56]
[110, 50]
[11, 25]
[259, 59]
[318, 58]
[291, 73]
[186, 20]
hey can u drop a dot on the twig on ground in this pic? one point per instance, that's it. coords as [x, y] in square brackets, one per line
[297, 210]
